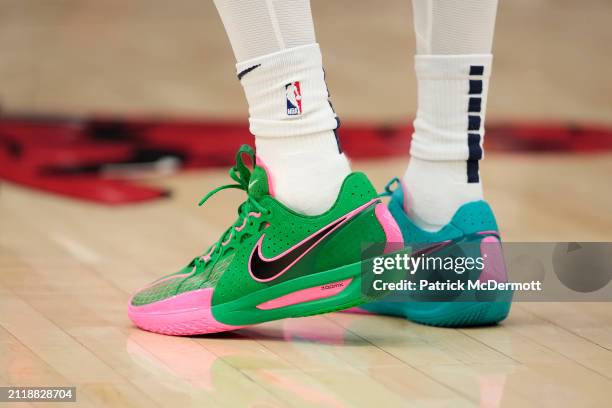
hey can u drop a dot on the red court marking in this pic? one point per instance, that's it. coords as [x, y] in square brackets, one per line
[66, 155]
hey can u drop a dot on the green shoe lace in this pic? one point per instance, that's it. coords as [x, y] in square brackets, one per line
[241, 174]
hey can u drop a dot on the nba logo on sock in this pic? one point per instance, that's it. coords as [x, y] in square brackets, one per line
[294, 98]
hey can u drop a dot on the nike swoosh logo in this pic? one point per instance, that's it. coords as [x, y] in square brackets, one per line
[264, 269]
[246, 71]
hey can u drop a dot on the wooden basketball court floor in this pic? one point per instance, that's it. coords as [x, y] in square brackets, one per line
[67, 267]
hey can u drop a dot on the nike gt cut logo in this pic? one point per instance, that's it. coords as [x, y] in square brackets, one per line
[264, 269]
[246, 71]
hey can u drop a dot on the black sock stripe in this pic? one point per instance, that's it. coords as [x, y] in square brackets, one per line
[335, 130]
[475, 105]
[475, 86]
[474, 123]
[476, 69]
[473, 171]
[475, 151]
[338, 140]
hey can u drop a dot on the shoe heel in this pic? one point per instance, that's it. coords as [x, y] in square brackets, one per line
[393, 234]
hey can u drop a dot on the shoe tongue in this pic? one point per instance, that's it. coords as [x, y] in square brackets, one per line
[258, 183]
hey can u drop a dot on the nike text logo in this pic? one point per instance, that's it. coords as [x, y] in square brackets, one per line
[264, 269]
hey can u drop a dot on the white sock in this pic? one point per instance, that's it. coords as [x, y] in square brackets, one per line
[435, 190]
[293, 123]
[280, 69]
[306, 172]
[261, 27]
[454, 40]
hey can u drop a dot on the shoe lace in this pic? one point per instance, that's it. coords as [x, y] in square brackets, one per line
[390, 188]
[241, 174]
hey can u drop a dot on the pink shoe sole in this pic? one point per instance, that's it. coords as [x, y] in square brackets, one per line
[181, 315]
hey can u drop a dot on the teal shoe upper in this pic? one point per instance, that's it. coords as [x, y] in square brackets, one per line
[472, 223]
[470, 218]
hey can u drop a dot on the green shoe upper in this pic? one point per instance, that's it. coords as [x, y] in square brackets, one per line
[266, 223]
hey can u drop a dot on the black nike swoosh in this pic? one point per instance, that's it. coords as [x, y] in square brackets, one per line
[246, 71]
[264, 270]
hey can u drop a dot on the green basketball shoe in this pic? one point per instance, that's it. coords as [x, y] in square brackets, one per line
[272, 263]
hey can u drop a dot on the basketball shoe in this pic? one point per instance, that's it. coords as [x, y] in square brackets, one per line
[272, 262]
[473, 233]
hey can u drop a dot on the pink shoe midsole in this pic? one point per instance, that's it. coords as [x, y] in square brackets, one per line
[181, 314]
[306, 295]
[177, 311]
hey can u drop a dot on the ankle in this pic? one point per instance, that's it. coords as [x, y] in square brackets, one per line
[307, 172]
[435, 190]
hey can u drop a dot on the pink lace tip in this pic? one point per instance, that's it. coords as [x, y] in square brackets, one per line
[242, 226]
[224, 243]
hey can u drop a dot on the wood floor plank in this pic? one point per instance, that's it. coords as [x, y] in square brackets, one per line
[64, 303]
[67, 267]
